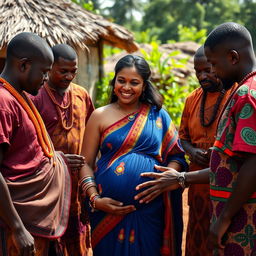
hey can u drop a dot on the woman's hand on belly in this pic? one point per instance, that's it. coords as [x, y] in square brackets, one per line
[112, 206]
[164, 181]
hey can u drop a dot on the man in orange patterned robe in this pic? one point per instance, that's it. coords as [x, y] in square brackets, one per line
[197, 133]
[65, 108]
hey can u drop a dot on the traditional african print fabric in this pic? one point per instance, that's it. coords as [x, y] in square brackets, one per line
[236, 136]
[68, 140]
[198, 194]
[129, 147]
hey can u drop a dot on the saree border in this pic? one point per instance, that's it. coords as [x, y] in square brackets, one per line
[168, 247]
[169, 141]
[117, 125]
[133, 135]
[110, 221]
[104, 227]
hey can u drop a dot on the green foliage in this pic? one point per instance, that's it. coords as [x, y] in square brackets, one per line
[163, 18]
[146, 37]
[191, 34]
[168, 15]
[104, 90]
[247, 15]
[89, 5]
[168, 84]
[109, 51]
[123, 12]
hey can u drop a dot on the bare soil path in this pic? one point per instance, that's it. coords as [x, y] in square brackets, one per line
[185, 219]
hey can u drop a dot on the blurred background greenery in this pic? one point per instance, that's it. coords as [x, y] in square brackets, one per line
[162, 17]
[157, 22]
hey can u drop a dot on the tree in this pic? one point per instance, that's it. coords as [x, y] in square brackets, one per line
[168, 14]
[89, 5]
[124, 12]
[248, 16]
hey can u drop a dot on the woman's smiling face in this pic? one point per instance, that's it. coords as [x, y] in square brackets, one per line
[128, 85]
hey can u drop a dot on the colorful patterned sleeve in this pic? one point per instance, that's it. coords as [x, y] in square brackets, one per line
[244, 115]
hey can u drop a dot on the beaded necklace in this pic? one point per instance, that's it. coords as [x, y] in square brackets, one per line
[231, 95]
[34, 116]
[237, 86]
[247, 77]
[60, 107]
[215, 109]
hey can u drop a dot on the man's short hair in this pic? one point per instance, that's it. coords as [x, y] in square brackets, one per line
[63, 51]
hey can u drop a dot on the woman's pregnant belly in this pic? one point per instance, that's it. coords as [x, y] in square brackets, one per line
[120, 179]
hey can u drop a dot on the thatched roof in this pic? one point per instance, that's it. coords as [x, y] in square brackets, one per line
[186, 51]
[60, 21]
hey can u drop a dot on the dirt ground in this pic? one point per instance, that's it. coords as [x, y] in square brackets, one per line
[185, 219]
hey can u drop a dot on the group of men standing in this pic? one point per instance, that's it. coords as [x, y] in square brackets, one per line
[218, 129]
[42, 122]
[51, 210]
[197, 134]
[65, 108]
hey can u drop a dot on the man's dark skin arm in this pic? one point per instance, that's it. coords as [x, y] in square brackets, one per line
[244, 188]
[23, 240]
[197, 155]
[75, 162]
[167, 180]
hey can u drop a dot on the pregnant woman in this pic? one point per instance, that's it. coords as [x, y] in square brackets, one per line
[133, 134]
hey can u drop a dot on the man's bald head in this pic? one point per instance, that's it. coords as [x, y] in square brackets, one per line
[230, 35]
[63, 51]
[28, 45]
[229, 49]
[199, 52]
[29, 59]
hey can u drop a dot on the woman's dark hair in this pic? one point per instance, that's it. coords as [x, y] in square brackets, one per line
[150, 95]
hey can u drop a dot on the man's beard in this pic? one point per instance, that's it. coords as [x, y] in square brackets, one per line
[213, 87]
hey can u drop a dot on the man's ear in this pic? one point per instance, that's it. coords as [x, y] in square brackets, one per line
[233, 57]
[24, 65]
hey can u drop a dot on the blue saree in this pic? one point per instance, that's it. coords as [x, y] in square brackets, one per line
[129, 147]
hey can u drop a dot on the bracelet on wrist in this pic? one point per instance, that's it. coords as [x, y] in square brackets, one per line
[93, 197]
[85, 183]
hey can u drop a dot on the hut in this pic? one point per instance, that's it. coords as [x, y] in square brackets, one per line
[62, 21]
